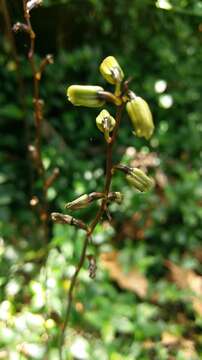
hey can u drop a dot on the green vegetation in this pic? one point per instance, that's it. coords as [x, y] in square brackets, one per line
[145, 302]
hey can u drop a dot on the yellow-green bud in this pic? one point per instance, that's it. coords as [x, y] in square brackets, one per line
[140, 180]
[105, 123]
[111, 70]
[141, 117]
[85, 95]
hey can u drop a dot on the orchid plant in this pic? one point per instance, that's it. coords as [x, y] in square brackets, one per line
[123, 98]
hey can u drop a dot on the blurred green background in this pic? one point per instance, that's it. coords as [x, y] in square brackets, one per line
[146, 300]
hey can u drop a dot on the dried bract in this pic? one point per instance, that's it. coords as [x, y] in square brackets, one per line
[67, 219]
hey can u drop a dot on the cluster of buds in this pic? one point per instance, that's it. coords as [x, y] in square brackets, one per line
[95, 96]
[139, 112]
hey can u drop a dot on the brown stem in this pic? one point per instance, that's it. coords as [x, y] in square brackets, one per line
[21, 93]
[9, 31]
[38, 115]
[70, 295]
[110, 97]
[98, 216]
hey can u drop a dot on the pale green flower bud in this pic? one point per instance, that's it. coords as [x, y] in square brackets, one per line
[79, 203]
[140, 180]
[141, 117]
[85, 95]
[84, 200]
[111, 70]
[105, 123]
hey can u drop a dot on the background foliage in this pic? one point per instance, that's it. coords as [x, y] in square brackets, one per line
[157, 312]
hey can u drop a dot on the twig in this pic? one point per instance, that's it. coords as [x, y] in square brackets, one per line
[21, 93]
[38, 115]
[35, 150]
[98, 216]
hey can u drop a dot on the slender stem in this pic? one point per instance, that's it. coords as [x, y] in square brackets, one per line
[98, 216]
[70, 296]
[21, 93]
[38, 115]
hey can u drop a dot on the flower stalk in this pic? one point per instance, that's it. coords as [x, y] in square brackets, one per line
[38, 104]
[95, 96]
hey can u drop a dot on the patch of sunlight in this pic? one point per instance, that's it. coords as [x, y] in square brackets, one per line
[163, 4]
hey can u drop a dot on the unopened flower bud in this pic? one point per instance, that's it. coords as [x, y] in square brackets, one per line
[79, 203]
[105, 123]
[140, 180]
[59, 218]
[141, 117]
[84, 200]
[111, 70]
[85, 95]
